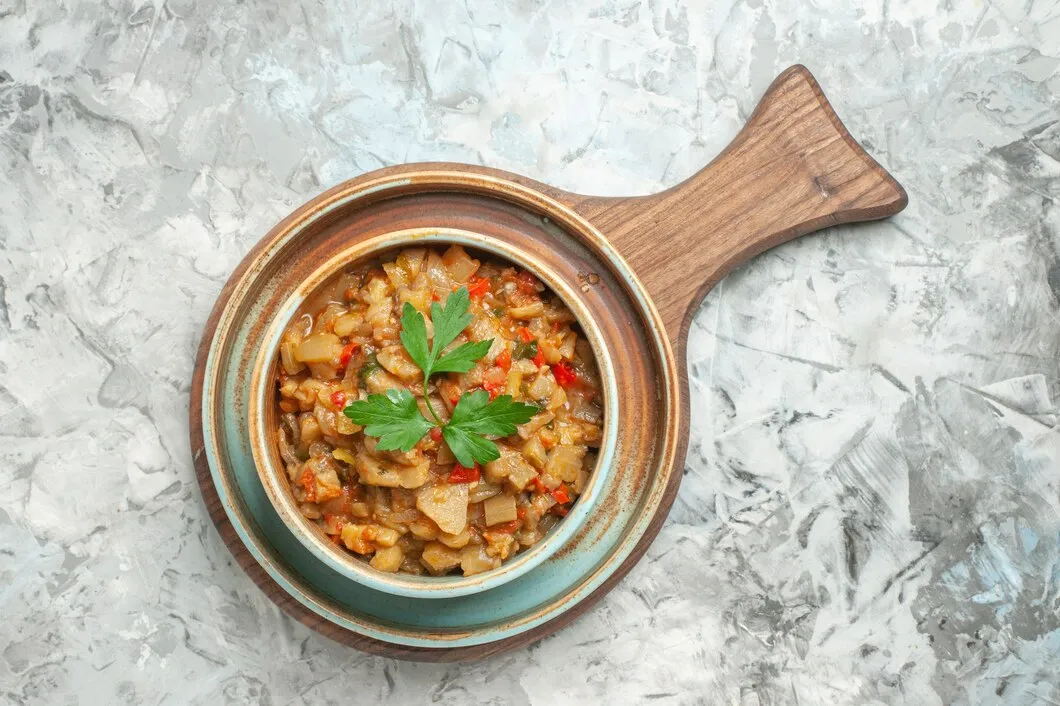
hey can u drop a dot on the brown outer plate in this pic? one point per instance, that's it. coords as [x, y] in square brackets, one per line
[792, 170]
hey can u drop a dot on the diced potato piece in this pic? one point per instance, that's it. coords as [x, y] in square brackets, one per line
[515, 381]
[456, 541]
[309, 392]
[411, 260]
[581, 481]
[388, 559]
[524, 366]
[536, 422]
[345, 425]
[397, 275]
[585, 433]
[551, 353]
[557, 399]
[459, 264]
[510, 462]
[445, 504]
[309, 429]
[483, 328]
[289, 388]
[397, 361]
[385, 536]
[540, 505]
[373, 471]
[542, 386]
[499, 509]
[346, 324]
[420, 299]
[360, 510]
[527, 312]
[437, 275]
[289, 353]
[319, 348]
[424, 529]
[439, 558]
[565, 461]
[325, 472]
[499, 544]
[566, 349]
[535, 452]
[521, 475]
[380, 304]
[379, 381]
[357, 538]
[378, 313]
[376, 289]
[475, 560]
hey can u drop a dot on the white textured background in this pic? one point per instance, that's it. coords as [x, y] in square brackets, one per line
[870, 507]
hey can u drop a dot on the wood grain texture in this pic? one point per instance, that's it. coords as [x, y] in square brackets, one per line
[792, 170]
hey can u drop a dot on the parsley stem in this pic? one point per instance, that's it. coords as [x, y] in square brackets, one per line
[430, 407]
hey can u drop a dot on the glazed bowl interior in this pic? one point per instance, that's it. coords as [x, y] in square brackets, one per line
[263, 420]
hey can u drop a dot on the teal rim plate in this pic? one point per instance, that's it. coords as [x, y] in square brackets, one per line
[633, 497]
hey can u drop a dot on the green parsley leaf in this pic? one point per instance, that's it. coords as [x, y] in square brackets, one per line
[469, 448]
[475, 416]
[462, 358]
[449, 320]
[395, 418]
[414, 338]
[474, 412]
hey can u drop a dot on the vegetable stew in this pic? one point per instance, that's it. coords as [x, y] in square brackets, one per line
[458, 471]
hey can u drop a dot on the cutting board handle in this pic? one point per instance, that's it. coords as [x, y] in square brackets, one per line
[793, 169]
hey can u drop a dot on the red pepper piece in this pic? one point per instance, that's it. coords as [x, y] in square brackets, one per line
[338, 399]
[309, 483]
[560, 494]
[539, 358]
[477, 287]
[347, 352]
[505, 528]
[564, 374]
[524, 334]
[494, 388]
[463, 474]
[504, 360]
[436, 434]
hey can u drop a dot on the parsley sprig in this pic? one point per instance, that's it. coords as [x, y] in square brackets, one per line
[395, 418]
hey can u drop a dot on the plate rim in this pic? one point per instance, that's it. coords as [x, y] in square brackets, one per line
[261, 568]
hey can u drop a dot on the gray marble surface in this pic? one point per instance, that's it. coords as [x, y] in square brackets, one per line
[870, 506]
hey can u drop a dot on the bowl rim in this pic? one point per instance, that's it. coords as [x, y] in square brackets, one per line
[274, 478]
